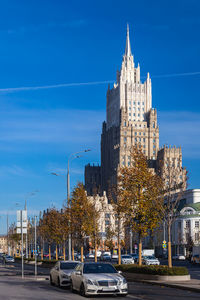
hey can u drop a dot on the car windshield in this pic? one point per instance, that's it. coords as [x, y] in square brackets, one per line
[151, 257]
[126, 256]
[68, 266]
[98, 268]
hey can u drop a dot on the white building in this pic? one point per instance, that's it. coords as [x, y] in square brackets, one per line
[186, 228]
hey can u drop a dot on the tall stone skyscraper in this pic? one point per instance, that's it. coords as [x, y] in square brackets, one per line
[130, 121]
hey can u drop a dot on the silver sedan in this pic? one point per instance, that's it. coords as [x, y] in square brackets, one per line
[98, 279]
[60, 274]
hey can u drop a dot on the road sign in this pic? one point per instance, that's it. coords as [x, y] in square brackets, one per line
[22, 226]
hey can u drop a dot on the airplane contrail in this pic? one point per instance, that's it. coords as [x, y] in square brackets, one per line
[44, 87]
[31, 88]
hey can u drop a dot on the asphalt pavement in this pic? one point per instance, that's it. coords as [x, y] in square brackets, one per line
[14, 288]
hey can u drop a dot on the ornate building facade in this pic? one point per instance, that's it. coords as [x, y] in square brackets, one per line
[130, 121]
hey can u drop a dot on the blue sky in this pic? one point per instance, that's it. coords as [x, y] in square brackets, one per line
[59, 42]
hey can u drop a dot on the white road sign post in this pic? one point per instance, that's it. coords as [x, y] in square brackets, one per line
[22, 228]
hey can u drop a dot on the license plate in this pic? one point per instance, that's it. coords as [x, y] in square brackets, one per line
[108, 289]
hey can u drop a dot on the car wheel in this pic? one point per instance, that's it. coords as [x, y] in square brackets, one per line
[58, 281]
[82, 290]
[51, 281]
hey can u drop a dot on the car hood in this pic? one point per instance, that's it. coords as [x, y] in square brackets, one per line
[102, 276]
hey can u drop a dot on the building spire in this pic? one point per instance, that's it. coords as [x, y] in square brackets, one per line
[128, 45]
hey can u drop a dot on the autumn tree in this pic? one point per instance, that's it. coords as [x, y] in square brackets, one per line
[120, 205]
[82, 215]
[109, 241]
[96, 211]
[140, 191]
[64, 226]
[174, 183]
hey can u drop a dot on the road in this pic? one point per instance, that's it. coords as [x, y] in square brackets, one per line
[14, 288]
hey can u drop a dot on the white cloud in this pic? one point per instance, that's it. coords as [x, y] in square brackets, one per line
[12, 170]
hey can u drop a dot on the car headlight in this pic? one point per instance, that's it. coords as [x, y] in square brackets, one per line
[88, 281]
[123, 281]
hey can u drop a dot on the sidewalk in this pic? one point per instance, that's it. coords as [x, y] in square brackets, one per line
[192, 285]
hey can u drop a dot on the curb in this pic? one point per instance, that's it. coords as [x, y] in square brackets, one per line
[26, 277]
[175, 286]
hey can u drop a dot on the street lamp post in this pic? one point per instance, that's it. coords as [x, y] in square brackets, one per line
[71, 157]
[29, 195]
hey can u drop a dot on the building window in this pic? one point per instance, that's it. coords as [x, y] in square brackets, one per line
[129, 102]
[129, 108]
[107, 222]
[196, 236]
[138, 103]
[107, 216]
[139, 139]
[134, 114]
[144, 140]
[142, 103]
[139, 133]
[196, 224]
[129, 114]
[133, 102]
[143, 133]
[154, 152]
[187, 224]
[144, 146]
[144, 151]
[125, 139]
[154, 140]
[135, 139]
[138, 115]
[138, 108]
[129, 163]
[154, 146]
[135, 133]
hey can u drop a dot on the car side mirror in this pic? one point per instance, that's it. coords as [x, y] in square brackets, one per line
[78, 273]
[120, 272]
